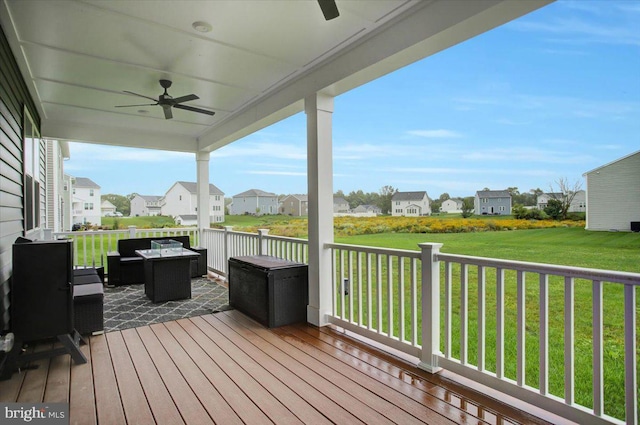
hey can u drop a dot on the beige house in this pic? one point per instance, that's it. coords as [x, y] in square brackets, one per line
[613, 194]
[410, 204]
[295, 205]
[181, 200]
[146, 205]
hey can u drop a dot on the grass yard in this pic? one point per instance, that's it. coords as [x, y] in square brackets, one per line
[565, 246]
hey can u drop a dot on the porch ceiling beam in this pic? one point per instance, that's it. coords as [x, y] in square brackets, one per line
[118, 136]
[421, 31]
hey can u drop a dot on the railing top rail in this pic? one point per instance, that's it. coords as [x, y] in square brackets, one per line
[90, 232]
[374, 250]
[576, 272]
[285, 238]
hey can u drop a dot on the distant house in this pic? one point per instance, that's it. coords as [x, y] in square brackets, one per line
[186, 220]
[613, 194]
[295, 205]
[86, 201]
[107, 208]
[146, 205]
[578, 203]
[182, 200]
[367, 209]
[340, 205]
[492, 202]
[254, 202]
[453, 205]
[410, 204]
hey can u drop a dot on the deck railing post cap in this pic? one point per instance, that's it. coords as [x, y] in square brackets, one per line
[430, 245]
[263, 231]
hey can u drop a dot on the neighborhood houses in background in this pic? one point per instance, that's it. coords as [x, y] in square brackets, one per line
[410, 204]
[492, 202]
[85, 201]
[254, 201]
[295, 205]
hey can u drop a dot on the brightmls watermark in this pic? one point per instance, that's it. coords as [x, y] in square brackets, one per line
[34, 413]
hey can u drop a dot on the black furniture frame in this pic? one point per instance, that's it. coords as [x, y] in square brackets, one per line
[125, 267]
[167, 277]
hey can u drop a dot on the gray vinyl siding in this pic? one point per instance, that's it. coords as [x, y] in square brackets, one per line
[613, 195]
[13, 98]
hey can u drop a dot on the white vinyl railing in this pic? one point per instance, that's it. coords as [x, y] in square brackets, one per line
[91, 247]
[516, 327]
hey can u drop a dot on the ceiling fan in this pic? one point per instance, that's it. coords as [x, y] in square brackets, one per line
[167, 102]
[329, 9]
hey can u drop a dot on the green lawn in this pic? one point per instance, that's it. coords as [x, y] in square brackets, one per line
[565, 246]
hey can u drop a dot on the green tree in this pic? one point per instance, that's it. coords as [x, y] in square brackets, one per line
[467, 207]
[554, 209]
[384, 201]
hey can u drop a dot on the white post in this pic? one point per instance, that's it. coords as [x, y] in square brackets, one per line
[263, 248]
[47, 234]
[430, 307]
[225, 258]
[319, 110]
[202, 190]
[132, 232]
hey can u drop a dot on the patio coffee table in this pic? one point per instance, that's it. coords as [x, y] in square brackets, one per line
[167, 276]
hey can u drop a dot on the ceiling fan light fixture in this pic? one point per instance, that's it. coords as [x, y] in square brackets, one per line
[202, 26]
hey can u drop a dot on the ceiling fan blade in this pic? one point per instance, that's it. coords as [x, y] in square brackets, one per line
[146, 104]
[329, 9]
[185, 98]
[141, 95]
[167, 113]
[192, 109]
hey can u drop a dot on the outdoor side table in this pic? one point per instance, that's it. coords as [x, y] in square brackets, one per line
[273, 291]
[167, 276]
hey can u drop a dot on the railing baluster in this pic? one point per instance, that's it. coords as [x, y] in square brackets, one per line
[379, 291]
[447, 308]
[598, 381]
[350, 284]
[414, 302]
[401, 309]
[464, 311]
[481, 317]
[521, 328]
[389, 295]
[341, 284]
[359, 266]
[499, 323]
[369, 297]
[334, 296]
[543, 373]
[630, 360]
[569, 339]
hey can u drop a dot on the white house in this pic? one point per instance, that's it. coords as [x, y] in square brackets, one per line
[613, 195]
[492, 202]
[340, 205]
[182, 200]
[107, 208]
[146, 205]
[452, 205]
[86, 201]
[254, 202]
[295, 205]
[367, 209]
[410, 204]
[578, 203]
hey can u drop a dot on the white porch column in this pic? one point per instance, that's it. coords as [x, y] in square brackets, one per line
[319, 110]
[202, 162]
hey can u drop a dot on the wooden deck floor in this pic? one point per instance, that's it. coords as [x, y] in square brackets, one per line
[225, 369]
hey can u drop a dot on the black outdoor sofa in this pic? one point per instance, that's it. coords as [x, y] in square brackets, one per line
[125, 267]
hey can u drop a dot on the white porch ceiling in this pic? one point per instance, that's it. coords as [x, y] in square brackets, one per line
[255, 67]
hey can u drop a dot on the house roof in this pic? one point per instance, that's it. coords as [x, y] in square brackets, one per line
[151, 198]
[493, 194]
[85, 182]
[254, 193]
[254, 69]
[301, 198]
[409, 196]
[612, 162]
[192, 187]
[106, 204]
[187, 216]
[339, 200]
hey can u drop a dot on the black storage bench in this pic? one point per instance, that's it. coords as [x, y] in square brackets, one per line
[273, 291]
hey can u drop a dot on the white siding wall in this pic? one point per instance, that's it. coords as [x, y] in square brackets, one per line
[82, 214]
[613, 195]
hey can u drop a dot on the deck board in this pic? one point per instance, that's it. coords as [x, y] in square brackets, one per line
[225, 368]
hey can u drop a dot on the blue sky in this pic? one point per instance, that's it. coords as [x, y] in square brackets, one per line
[551, 95]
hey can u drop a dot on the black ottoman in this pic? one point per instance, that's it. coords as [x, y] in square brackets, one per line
[88, 312]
